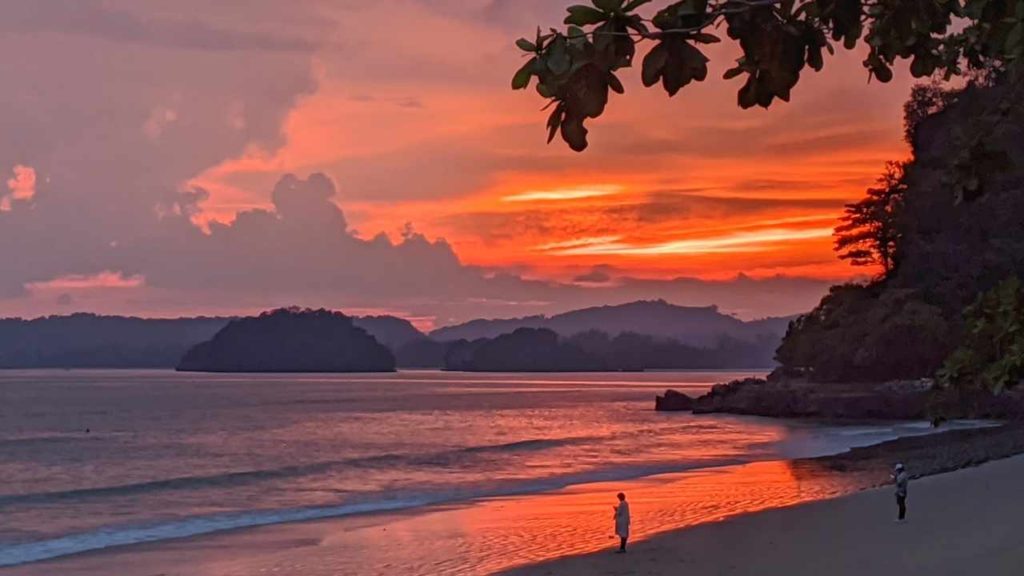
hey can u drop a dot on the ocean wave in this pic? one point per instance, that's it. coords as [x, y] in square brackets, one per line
[441, 459]
[115, 536]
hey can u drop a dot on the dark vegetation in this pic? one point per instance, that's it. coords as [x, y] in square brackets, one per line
[944, 230]
[947, 300]
[708, 338]
[576, 68]
[91, 341]
[543, 350]
[290, 340]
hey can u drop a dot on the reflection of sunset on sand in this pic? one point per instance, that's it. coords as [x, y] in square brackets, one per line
[481, 537]
[965, 525]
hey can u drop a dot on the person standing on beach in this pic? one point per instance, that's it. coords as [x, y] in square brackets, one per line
[901, 479]
[622, 522]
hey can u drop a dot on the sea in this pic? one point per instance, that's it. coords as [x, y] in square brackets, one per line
[96, 459]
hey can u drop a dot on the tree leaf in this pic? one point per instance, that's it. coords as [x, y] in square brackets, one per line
[882, 72]
[608, 5]
[814, 58]
[1015, 38]
[615, 84]
[705, 38]
[634, 5]
[584, 15]
[557, 57]
[574, 133]
[522, 77]
[555, 121]
[732, 73]
[525, 45]
[653, 65]
[747, 97]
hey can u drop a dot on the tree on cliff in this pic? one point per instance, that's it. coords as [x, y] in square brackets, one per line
[575, 68]
[948, 249]
[870, 232]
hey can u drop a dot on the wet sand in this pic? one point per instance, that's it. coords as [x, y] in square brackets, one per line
[963, 522]
[807, 517]
[479, 537]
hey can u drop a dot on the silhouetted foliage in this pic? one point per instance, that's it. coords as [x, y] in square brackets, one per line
[421, 353]
[948, 243]
[290, 340]
[871, 228]
[925, 100]
[91, 341]
[576, 68]
[991, 355]
[866, 333]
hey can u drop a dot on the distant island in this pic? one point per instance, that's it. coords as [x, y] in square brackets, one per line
[647, 334]
[92, 341]
[290, 340]
[695, 325]
[84, 340]
[544, 350]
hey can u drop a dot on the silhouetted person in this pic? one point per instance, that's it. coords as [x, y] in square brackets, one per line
[901, 479]
[622, 522]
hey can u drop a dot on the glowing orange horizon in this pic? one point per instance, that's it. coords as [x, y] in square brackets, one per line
[690, 186]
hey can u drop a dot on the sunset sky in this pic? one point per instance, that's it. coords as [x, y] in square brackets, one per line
[147, 142]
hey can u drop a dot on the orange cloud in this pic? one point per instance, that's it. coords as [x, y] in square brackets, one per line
[415, 128]
[102, 280]
[21, 186]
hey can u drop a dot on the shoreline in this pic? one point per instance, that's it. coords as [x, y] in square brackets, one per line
[959, 522]
[681, 501]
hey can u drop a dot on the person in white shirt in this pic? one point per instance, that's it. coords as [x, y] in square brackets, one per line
[901, 479]
[622, 522]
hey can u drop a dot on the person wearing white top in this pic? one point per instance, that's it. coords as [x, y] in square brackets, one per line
[622, 522]
[901, 479]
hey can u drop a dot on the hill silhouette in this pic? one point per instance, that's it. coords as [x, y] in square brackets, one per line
[290, 340]
[91, 341]
[391, 331]
[543, 350]
[86, 340]
[956, 237]
[699, 326]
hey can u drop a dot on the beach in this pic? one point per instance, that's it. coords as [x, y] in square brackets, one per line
[425, 473]
[963, 522]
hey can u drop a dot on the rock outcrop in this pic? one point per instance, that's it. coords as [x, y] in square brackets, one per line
[800, 399]
[793, 398]
[673, 401]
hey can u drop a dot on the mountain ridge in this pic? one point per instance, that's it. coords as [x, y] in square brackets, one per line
[694, 325]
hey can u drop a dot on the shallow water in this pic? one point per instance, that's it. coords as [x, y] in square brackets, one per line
[169, 455]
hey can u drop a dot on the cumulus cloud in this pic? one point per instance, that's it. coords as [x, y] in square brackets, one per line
[121, 104]
[104, 279]
[20, 187]
[300, 252]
